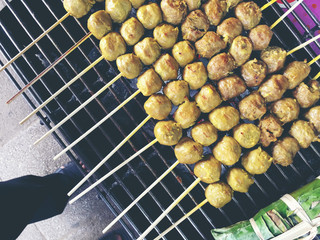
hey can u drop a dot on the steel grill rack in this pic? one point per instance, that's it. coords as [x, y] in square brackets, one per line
[22, 21]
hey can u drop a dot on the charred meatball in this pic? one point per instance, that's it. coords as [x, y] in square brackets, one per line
[220, 66]
[99, 24]
[132, 30]
[149, 15]
[167, 67]
[256, 161]
[137, 3]
[270, 128]
[286, 109]
[193, 4]
[313, 115]
[231, 87]
[174, 11]
[148, 50]
[78, 8]
[168, 132]
[166, 35]
[227, 151]
[274, 57]
[247, 135]
[239, 180]
[284, 151]
[158, 106]
[188, 151]
[119, 10]
[274, 87]
[195, 26]
[149, 82]
[296, 72]
[204, 133]
[177, 91]
[129, 65]
[112, 46]
[195, 74]
[208, 98]
[187, 114]
[183, 52]
[229, 29]
[254, 72]
[209, 45]
[218, 194]
[307, 95]
[303, 132]
[252, 107]
[241, 49]
[215, 10]
[224, 118]
[260, 37]
[208, 169]
[249, 14]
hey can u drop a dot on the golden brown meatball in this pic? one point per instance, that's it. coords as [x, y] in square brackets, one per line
[229, 29]
[239, 180]
[254, 72]
[208, 169]
[256, 161]
[296, 72]
[218, 194]
[195, 74]
[137, 3]
[195, 26]
[252, 107]
[260, 37]
[158, 106]
[286, 109]
[249, 14]
[188, 151]
[215, 10]
[168, 132]
[208, 98]
[274, 87]
[209, 45]
[220, 66]
[193, 4]
[174, 11]
[224, 118]
[227, 151]
[177, 91]
[204, 133]
[231, 87]
[232, 3]
[303, 132]
[187, 114]
[148, 50]
[149, 82]
[166, 35]
[183, 52]
[119, 10]
[167, 67]
[284, 151]
[247, 135]
[307, 95]
[99, 24]
[149, 15]
[129, 65]
[112, 46]
[274, 57]
[78, 8]
[241, 49]
[313, 115]
[271, 129]
[132, 30]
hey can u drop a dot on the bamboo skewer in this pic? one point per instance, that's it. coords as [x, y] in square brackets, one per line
[314, 60]
[267, 5]
[305, 44]
[317, 76]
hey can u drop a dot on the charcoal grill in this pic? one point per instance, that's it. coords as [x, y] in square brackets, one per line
[22, 21]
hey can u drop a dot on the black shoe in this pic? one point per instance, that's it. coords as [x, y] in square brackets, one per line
[71, 171]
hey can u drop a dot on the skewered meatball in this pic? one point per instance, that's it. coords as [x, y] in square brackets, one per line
[241, 49]
[204, 133]
[167, 67]
[158, 106]
[209, 45]
[149, 15]
[215, 10]
[274, 57]
[174, 11]
[220, 66]
[195, 26]
[227, 151]
[286, 109]
[249, 14]
[195, 74]
[188, 151]
[296, 72]
[232, 3]
[218, 194]
[284, 151]
[256, 161]
[229, 29]
[252, 107]
[247, 135]
[231, 87]
[148, 50]
[183, 52]
[239, 180]
[224, 118]
[99, 24]
[274, 87]
[166, 35]
[129, 65]
[313, 115]
[177, 91]
[260, 37]
[271, 129]
[208, 98]
[193, 4]
[78, 8]
[168, 132]
[303, 132]
[149, 82]
[187, 114]
[132, 30]
[254, 72]
[307, 95]
[208, 169]
[119, 10]
[137, 3]
[112, 46]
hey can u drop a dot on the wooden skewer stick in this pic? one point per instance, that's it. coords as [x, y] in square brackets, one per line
[34, 41]
[303, 45]
[317, 76]
[50, 67]
[314, 60]
[267, 5]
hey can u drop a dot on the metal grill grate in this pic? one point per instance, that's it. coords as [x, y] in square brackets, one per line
[22, 21]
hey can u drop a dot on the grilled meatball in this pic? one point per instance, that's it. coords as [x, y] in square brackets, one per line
[256, 161]
[313, 115]
[208, 169]
[177, 91]
[274, 87]
[78, 8]
[129, 65]
[254, 72]
[232, 3]
[204, 133]
[149, 82]
[188, 151]
[167, 67]
[215, 10]
[224, 118]
[149, 15]
[284, 151]
[260, 37]
[247, 135]
[174, 11]
[137, 3]
[112, 46]
[195, 74]
[148, 50]
[158, 106]
[99, 24]
[193, 4]
[229, 29]
[274, 57]
[218, 194]
[208, 98]
[286, 109]
[296, 72]
[210, 44]
[231, 87]
[187, 114]
[168, 132]
[166, 35]
[220, 66]
[241, 49]
[183, 52]
[303, 132]
[227, 151]
[252, 107]
[132, 30]
[249, 14]
[270, 128]
[195, 26]
[307, 95]
[119, 10]
[239, 180]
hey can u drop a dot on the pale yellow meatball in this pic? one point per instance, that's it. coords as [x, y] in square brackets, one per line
[187, 114]
[260, 37]
[224, 118]
[174, 11]
[303, 132]
[167, 67]
[218, 194]
[166, 35]
[208, 98]
[132, 30]
[254, 72]
[148, 50]
[204, 133]
[313, 115]
[239, 180]
[286, 109]
[78, 8]
[188, 151]
[227, 151]
[195, 26]
[249, 14]
[271, 129]
[158, 106]
[99, 24]
[183, 52]
[220, 66]
[247, 135]
[112, 46]
[193, 4]
[229, 29]
[284, 151]
[215, 10]
[168, 132]
[149, 82]
[241, 49]
[307, 95]
[195, 74]
[177, 91]
[274, 57]
[208, 169]
[137, 3]
[296, 72]
[231, 87]
[274, 87]
[129, 65]
[252, 107]
[210, 44]
[119, 10]
[149, 15]
[256, 161]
